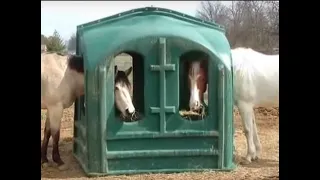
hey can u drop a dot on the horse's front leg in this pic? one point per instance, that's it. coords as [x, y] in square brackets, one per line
[256, 139]
[44, 147]
[55, 115]
[246, 112]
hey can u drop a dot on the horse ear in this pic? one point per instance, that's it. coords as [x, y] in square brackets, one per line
[115, 70]
[128, 71]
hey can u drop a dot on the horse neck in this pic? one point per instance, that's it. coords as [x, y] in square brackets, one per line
[74, 82]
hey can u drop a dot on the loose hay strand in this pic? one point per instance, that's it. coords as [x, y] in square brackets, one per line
[189, 113]
[193, 115]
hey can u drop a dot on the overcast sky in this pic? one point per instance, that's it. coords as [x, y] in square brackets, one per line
[64, 16]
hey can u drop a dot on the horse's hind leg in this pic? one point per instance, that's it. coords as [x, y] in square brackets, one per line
[55, 115]
[234, 143]
[44, 147]
[246, 111]
[256, 139]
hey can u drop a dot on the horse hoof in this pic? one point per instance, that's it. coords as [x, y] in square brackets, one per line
[255, 158]
[45, 165]
[245, 162]
[63, 167]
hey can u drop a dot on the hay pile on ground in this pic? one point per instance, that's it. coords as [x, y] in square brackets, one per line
[271, 111]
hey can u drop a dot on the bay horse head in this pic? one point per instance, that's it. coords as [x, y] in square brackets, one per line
[197, 83]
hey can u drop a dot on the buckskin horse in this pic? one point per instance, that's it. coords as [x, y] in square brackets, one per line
[62, 81]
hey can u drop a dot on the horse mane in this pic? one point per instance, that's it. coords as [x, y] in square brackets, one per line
[75, 63]
[122, 78]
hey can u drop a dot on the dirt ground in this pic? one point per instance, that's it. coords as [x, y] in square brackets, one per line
[267, 167]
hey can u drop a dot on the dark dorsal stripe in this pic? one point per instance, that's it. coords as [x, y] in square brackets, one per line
[75, 63]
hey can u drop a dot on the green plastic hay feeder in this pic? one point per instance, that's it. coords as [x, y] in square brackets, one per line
[159, 40]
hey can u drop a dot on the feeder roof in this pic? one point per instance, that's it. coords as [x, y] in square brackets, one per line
[101, 38]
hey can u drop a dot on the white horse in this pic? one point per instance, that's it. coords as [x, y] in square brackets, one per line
[256, 84]
[62, 81]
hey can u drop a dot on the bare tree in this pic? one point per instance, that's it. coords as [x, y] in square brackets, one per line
[213, 11]
[273, 19]
[248, 23]
[273, 16]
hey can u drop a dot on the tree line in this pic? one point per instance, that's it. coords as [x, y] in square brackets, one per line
[253, 24]
[55, 43]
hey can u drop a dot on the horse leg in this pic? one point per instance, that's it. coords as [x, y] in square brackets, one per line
[55, 115]
[234, 149]
[234, 144]
[44, 147]
[256, 139]
[246, 111]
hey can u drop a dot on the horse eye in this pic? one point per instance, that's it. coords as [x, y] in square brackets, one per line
[116, 88]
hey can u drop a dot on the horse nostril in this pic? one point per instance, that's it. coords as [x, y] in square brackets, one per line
[127, 111]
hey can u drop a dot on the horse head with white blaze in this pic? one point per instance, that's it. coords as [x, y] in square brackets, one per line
[197, 82]
[123, 87]
[256, 83]
[62, 81]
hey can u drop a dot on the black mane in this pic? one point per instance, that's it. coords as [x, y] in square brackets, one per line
[122, 78]
[76, 63]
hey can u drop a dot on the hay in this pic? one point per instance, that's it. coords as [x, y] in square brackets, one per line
[189, 113]
[192, 115]
[134, 117]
